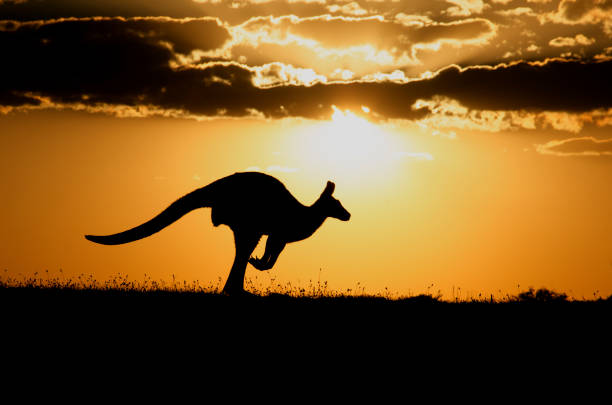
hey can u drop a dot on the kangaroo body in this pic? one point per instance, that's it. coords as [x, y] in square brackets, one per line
[252, 204]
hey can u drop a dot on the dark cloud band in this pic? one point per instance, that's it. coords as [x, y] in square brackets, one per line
[116, 61]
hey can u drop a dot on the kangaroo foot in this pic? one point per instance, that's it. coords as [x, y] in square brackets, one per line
[259, 264]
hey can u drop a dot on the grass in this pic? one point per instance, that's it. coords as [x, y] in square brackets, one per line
[136, 326]
[284, 320]
[121, 285]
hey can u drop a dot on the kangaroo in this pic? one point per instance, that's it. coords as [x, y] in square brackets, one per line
[252, 204]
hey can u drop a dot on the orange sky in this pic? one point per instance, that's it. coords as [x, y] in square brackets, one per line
[470, 140]
[482, 213]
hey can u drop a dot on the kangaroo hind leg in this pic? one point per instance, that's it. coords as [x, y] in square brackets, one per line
[245, 244]
[274, 247]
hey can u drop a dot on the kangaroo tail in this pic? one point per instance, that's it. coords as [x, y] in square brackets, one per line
[189, 202]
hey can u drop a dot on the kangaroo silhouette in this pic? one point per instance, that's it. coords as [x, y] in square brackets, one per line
[252, 204]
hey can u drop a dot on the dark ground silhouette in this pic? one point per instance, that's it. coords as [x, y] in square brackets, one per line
[216, 333]
[252, 204]
[286, 320]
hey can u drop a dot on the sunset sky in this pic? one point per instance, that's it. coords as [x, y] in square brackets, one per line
[470, 140]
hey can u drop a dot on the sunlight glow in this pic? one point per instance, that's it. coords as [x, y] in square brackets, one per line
[350, 147]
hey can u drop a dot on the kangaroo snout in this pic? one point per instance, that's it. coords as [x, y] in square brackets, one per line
[345, 216]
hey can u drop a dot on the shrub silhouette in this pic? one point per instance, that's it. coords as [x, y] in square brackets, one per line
[541, 295]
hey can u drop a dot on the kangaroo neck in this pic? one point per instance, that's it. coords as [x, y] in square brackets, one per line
[309, 219]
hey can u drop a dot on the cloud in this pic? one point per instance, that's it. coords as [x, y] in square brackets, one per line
[106, 60]
[274, 74]
[583, 146]
[533, 48]
[336, 32]
[363, 45]
[231, 11]
[141, 66]
[569, 41]
[449, 113]
[243, 3]
[413, 20]
[15, 99]
[29, 10]
[517, 12]
[464, 8]
[352, 8]
[573, 12]
[554, 85]
[414, 37]
[322, 44]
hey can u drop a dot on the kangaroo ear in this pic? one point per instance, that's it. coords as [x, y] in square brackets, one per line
[329, 189]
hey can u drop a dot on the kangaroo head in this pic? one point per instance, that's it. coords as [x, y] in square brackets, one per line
[330, 206]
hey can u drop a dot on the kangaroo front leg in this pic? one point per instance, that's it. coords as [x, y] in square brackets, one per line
[274, 247]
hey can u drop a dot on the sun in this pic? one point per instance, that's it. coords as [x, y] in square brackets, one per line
[348, 146]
